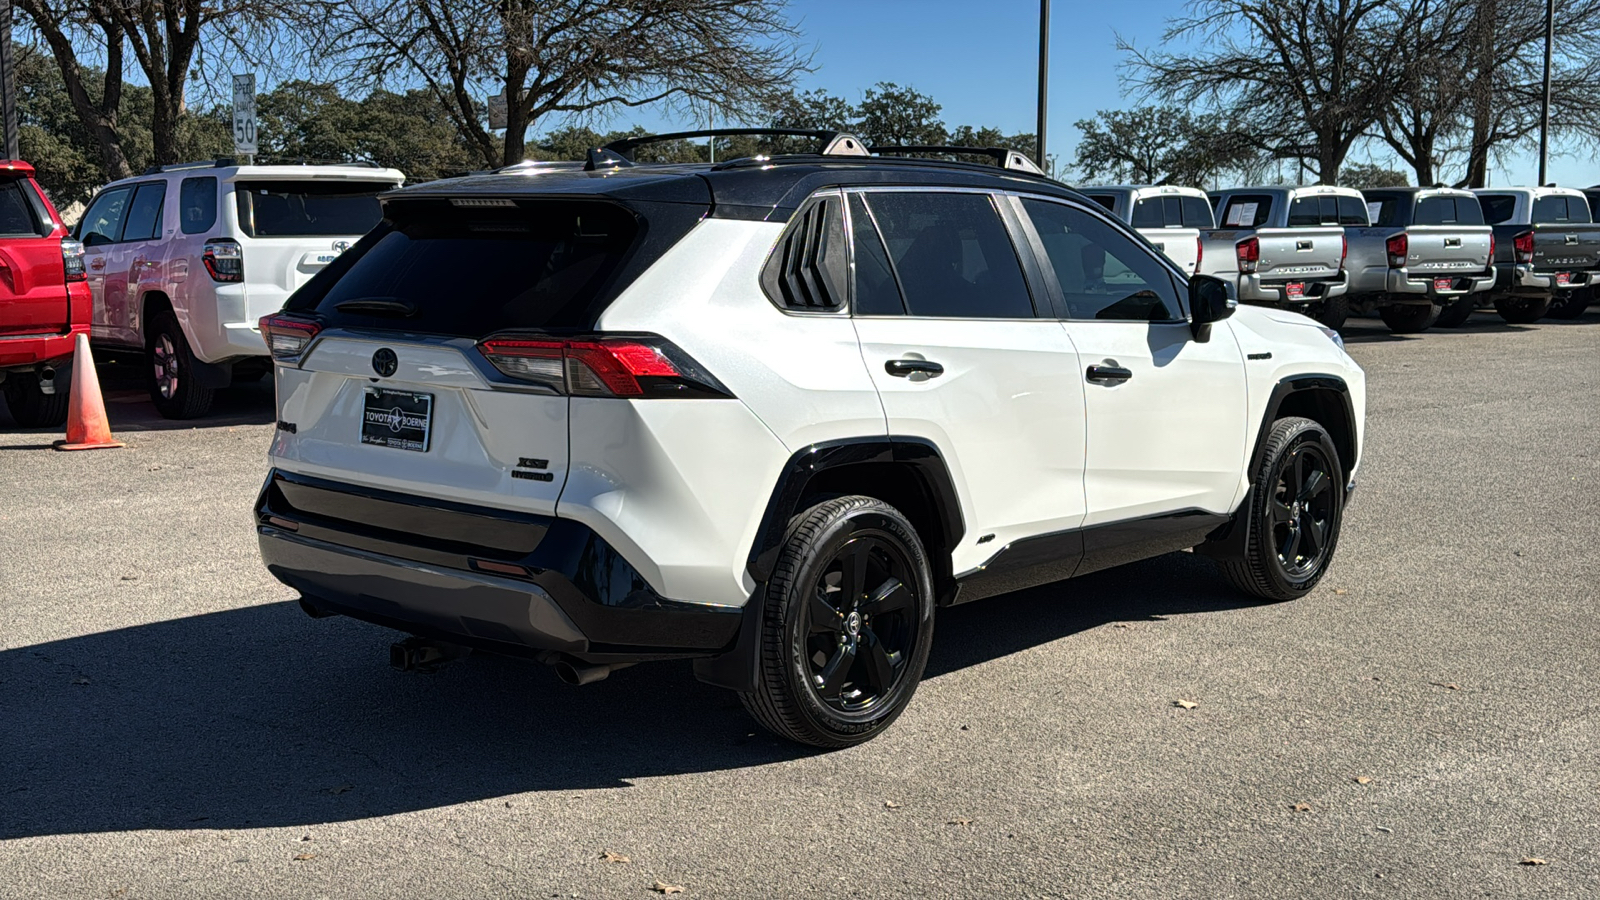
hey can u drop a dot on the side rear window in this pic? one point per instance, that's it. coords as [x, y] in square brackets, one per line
[1246, 211]
[1498, 208]
[876, 291]
[952, 254]
[102, 222]
[1305, 211]
[471, 272]
[1352, 211]
[197, 204]
[806, 269]
[144, 213]
[1103, 275]
[1197, 213]
[17, 216]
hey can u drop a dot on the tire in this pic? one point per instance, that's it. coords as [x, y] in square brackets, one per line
[839, 665]
[1521, 310]
[171, 366]
[1274, 565]
[1570, 304]
[32, 408]
[1333, 311]
[1409, 318]
[1457, 313]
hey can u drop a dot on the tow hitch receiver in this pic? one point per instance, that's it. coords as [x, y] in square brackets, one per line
[424, 656]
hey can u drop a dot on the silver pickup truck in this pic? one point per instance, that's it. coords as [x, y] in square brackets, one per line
[1547, 251]
[1171, 218]
[1284, 246]
[1424, 260]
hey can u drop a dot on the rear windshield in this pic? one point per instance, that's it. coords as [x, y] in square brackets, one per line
[1448, 211]
[1384, 210]
[1246, 211]
[1172, 212]
[1560, 211]
[470, 272]
[1498, 208]
[19, 210]
[1327, 209]
[1109, 201]
[308, 208]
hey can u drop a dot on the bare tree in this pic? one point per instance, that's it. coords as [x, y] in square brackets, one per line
[1316, 69]
[65, 26]
[555, 57]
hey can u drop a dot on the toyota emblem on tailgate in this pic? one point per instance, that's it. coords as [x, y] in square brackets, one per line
[384, 362]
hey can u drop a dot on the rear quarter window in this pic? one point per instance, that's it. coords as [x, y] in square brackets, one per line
[1386, 210]
[18, 217]
[197, 204]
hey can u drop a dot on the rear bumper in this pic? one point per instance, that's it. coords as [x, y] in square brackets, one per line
[1521, 280]
[27, 351]
[510, 582]
[1253, 290]
[1419, 285]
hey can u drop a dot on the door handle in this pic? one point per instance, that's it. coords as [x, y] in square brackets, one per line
[905, 368]
[1452, 242]
[1104, 374]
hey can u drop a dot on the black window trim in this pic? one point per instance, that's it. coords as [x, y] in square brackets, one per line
[1180, 280]
[1010, 220]
[843, 309]
[161, 213]
[133, 188]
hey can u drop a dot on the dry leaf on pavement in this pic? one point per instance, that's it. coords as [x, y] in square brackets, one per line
[608, 856]
[661, 887]
[1446, 684]
[341, 789]
[1185, 704]
[302, 857]
[959, 822]
[890, 804]
[1532, 861]
[1302, 807]
[1362, 779]
[1340, 591]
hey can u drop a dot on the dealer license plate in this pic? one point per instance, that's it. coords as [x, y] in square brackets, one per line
[1295, 290]
[399, 419]
[1564, 279]
[1443, 284]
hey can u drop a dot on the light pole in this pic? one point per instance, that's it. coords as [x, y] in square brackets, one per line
[8, 85]
[1544, 106]
[1044, 77]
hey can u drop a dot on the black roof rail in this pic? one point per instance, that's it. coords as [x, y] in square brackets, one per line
[1005, 159]
[829, 143]
[218, 163]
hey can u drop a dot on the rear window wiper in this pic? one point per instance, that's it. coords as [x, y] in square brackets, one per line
[378, 306]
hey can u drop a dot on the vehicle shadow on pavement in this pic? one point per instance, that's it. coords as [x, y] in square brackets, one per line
[128, 406]
[261, 717]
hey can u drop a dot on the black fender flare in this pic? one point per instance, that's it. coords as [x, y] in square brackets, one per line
[738, 668]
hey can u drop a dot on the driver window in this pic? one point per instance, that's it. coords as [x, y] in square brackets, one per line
[102, 224]
[1103, 274]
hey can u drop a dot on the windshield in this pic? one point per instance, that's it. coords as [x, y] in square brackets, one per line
[308, 208]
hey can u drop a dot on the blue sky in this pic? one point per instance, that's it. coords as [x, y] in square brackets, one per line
[978, 58]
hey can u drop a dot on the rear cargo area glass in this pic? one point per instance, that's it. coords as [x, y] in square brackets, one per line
[469, 272]
[307, 208]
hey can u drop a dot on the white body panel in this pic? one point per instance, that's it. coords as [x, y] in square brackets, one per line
[1007, 416]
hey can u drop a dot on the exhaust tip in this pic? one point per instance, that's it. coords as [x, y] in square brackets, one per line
[576, 673]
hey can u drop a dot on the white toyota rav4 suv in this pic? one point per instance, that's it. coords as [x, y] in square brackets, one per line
[770, 414]
[182, 261]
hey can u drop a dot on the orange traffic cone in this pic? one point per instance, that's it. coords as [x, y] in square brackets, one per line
[87, 427]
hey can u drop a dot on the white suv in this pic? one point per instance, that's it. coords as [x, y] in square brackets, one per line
[770, 414]
[182, 261]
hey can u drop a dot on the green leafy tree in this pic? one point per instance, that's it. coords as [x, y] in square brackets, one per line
[890, 115]
[1158, 145]
[1371, 175]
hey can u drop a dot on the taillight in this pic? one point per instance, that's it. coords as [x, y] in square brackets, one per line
[287, 338]
[602, 366]
[72, 260]
[1248, 252]
[224, 259]
[1344, 248]
[1524, 247]
[1399, 247]
[1199, 252]
[1491, 251]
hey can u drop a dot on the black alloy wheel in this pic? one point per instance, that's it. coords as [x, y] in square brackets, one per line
[1570, 304]
[1302, 512]
[846, 623]
[859, 623]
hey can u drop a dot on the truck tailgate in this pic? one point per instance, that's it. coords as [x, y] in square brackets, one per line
[1297, 254]
[1447, 248]
[1566, 247]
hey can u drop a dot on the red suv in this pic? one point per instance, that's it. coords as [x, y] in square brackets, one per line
[44, 300]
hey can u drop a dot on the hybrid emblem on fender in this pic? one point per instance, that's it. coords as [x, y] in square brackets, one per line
[384, 362]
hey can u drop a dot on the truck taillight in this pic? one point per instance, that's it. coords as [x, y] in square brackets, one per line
[1399, 247]
[72, 260]
[1491, 251]
[629, 367]
[287, 338]
[1524, 247]
[1248, 252]
[1199, 252]
[1344, 248]
[224, 260]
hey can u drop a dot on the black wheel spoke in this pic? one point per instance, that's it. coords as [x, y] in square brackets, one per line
[1314, 485]
[1316, 535]
[880, 666]
[831, 680]
[1280, 512]
[1299, 470]
[888, 597]
[823, 616]
[1291, 546]
[853, 585]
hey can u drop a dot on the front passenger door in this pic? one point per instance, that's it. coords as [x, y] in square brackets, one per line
[1167, 430]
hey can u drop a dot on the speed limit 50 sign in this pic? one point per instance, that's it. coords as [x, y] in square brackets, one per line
[244, 114]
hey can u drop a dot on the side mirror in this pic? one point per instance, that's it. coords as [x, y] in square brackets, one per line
[1210, 300]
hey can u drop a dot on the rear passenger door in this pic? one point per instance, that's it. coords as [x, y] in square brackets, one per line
[1166, 414]
[961, 356]
[139, 257]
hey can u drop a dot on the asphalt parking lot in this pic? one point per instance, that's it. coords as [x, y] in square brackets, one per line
[171, 725]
